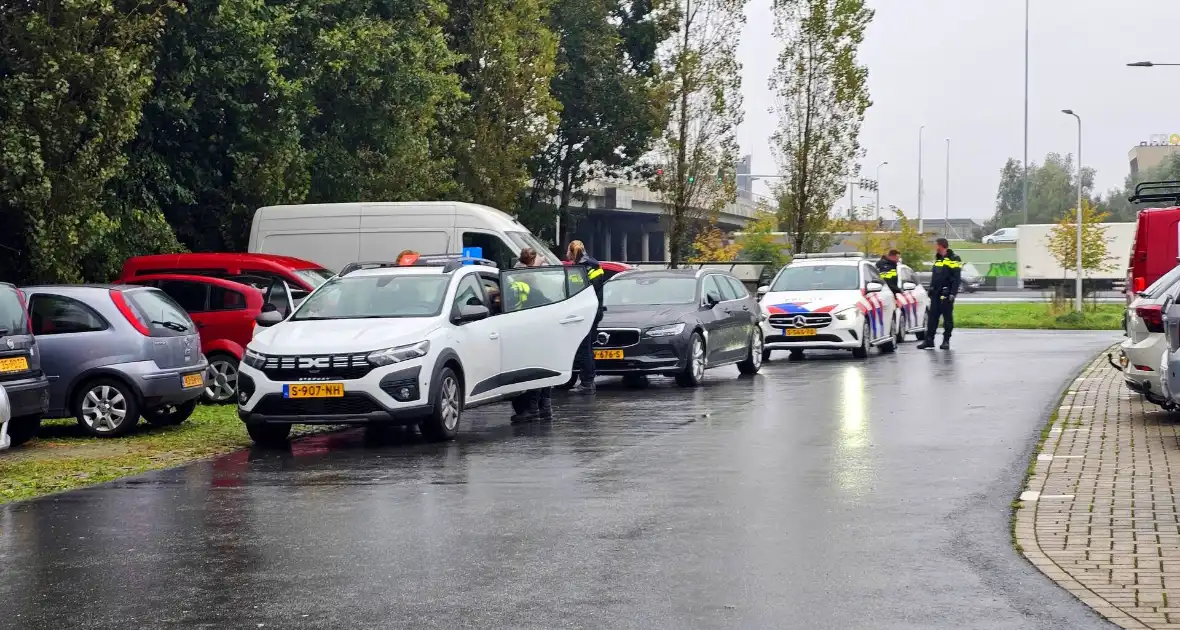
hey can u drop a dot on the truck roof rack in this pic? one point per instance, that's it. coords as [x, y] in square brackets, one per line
[1167, 191]
[449, 263]
[835, 255]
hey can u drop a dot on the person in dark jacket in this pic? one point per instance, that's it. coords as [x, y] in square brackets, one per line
[887, 267]
[538, 403]
[944, 286]
[576, 254]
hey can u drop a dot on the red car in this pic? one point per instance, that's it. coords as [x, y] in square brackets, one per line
[609, 268]
[259, 270]
[224, 313]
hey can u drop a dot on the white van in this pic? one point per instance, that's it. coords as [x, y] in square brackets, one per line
[335, 234]
[1002, 235]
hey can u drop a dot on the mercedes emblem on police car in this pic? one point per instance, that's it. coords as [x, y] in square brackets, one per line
[799, 321]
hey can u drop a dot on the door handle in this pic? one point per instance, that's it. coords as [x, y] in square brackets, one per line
[572, 319]
[493, 335]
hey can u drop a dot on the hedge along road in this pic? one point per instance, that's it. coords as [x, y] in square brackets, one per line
[828, 493]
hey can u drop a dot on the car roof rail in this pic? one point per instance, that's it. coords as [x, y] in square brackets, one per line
[449, 263]
[1166, 191]
[835, 255]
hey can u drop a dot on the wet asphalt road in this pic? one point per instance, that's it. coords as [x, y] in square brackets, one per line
[828, 493]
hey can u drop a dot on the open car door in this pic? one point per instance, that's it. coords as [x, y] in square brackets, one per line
[548, 311]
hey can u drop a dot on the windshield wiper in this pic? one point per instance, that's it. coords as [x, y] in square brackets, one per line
[171, 325]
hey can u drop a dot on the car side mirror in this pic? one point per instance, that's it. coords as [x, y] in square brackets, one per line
[874, 287]
[908, 286]
[712, 299]
[269, 318]
[269, 308]
[763, 290]
[472, 313]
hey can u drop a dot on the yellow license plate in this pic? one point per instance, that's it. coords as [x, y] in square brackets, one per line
[193, 380]
[314, 390]
[14, 364]
[608, 354]
[800, 332]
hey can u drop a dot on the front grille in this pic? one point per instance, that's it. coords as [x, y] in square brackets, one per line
[349, 404]
[323, 367]
[616, 337]
[801, 320]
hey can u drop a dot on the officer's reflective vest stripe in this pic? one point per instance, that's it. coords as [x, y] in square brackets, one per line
[520, 291]
[889, 275]
[948, 263]
[594, 273]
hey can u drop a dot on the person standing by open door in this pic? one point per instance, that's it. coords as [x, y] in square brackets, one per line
[576, 253]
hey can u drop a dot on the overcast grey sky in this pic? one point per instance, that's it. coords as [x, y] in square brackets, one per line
[957, 66]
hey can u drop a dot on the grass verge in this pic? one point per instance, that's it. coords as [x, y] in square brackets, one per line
[62, 457]
[1039, 316]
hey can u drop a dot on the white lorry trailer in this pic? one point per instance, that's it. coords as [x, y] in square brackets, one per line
[1037, 268]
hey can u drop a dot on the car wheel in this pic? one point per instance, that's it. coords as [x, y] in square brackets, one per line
[170, 415]
[443, 422]
[753, 361]
[106, 408]
[223, 379]
[635, 381]
[863, 351]
[694, 368]
[23, 429]
[269, 435]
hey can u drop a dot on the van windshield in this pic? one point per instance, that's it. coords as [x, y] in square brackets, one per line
[524, 239]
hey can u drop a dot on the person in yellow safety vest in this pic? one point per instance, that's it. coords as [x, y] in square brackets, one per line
[536, 404]
[887, 267]
[576, 253]
[944, 286]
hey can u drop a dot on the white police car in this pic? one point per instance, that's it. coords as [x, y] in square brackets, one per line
[412, 345]
[829, 301]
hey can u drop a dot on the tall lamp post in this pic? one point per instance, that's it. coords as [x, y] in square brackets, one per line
[1078, 287]
[920, 130]
[1024, 194]
[946, 226]
[878, 202]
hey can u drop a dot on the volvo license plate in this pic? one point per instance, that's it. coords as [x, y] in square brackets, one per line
[800, 332]
[14, 364]
[608, 354]
[314, 390]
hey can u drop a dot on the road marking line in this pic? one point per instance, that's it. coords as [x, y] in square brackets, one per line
[1029, 495]
[1044, 457]
[1056, 496]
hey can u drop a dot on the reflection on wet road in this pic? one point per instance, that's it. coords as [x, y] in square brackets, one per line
[828, 493]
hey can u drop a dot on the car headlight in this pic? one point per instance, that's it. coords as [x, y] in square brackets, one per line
[846, 314]
[253, 359]
[390, 356]
[667, 330]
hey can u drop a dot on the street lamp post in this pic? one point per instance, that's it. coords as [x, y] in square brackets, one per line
[1078, 284]
[878, 202]
[1024, 194]
[920, 130]
[946, 226]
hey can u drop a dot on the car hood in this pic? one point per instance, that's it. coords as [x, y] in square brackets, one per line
[778, 302]
[644, 316]
[341, 336]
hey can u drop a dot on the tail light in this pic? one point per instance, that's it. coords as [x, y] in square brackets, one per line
[129, 313]
[1140, 284]
[1152, 316]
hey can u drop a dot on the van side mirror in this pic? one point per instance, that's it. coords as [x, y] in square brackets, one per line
[269, 318]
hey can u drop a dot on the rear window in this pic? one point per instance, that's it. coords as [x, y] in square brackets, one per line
[12, 314]
[162, 316]
[1165, 282]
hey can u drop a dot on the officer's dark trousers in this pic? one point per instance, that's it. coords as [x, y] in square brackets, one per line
[586, 357]
[944, 309]
[535, 400]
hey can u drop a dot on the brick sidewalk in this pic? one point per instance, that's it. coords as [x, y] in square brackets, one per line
[1099, 513]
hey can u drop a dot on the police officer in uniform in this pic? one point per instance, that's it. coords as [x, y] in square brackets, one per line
[576, 254]
[536, 404]
[887, 267]
[944, 285]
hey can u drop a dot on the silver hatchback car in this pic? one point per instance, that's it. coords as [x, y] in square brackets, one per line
[115, 352]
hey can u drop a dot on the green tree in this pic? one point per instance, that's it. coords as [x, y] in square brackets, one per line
[759, 241]
[822, 94]
[380, 78]
[1052, 191]
[698, 152]
[220, 133]
[507, 61]
[73, 78]
[914, 247]
[613, 96]
[1063, 240]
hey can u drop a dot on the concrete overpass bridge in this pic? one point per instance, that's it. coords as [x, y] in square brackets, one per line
[624, 221]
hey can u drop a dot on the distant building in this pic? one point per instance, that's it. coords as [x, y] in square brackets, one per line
[1147, 157]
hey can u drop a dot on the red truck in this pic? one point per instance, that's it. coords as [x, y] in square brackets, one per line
[1157, 235]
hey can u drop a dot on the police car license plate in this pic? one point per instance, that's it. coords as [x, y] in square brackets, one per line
[800, 332]
[314, 390]
[608, 354]
[192, 380]
[14, 364]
